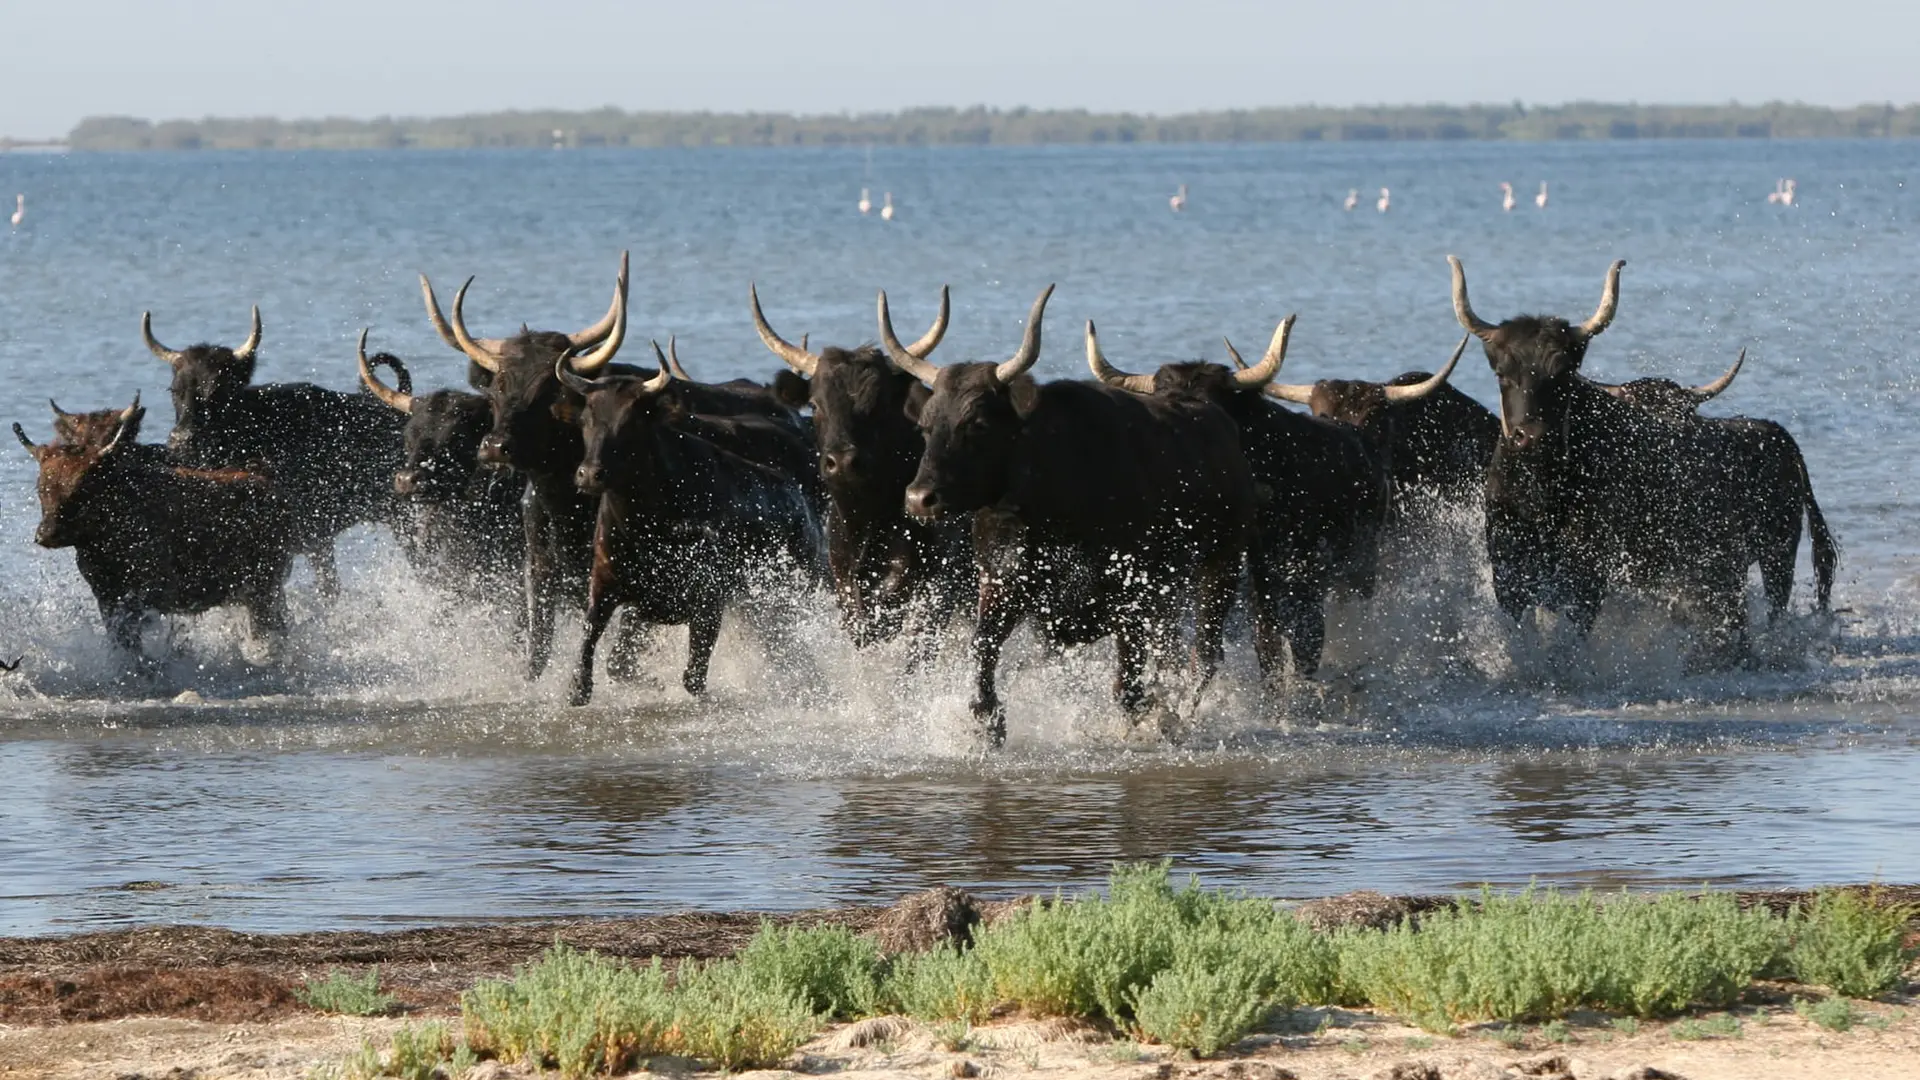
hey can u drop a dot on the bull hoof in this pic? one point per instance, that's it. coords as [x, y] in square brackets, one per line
[580, 694]
[695, 684]
[993, 722]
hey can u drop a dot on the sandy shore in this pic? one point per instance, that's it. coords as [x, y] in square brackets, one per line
[194, 1003]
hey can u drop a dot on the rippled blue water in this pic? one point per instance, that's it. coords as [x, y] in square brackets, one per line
[399, 770]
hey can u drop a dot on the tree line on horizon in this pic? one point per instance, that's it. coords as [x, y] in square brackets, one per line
[1014, 127]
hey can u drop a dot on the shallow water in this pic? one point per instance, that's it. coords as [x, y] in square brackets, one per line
[399, 771]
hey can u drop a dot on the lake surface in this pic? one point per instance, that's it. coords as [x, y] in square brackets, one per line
[399, 770]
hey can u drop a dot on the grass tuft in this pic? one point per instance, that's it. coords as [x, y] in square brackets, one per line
[1834, 1013]
[1848, 943]
[944, 984]
[573, 1011]
[342, 992]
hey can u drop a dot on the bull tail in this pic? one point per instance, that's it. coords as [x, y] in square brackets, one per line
[402, 378]
[1826, 554]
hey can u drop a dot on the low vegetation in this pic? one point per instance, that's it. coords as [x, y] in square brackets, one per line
[344, 992]
[1186, 967]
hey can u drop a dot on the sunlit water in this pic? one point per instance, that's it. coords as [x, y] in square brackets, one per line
[399, 770]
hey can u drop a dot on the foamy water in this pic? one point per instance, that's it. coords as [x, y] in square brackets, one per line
[399, 769]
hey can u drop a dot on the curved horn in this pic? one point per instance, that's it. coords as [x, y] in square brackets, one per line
[1609, 301]
[21, 434]
[796, 357]
[658, 381]
[171, 356]
[126, 417]
[592, 363]
[1421, 389]
[598, 331]
[1262, 373]
[247, 347]
[931, 339]
[394, 399]
[671, 361]
[57, 410]
[438, 320]
[924, 370]
[1029, 342]
[1107, 373]
[1703, 394]
[1462, 309]
[572, 379]
[485, 351]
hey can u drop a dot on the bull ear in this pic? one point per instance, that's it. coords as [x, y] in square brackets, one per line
[566, 410]
[917, 396]
[792, 389]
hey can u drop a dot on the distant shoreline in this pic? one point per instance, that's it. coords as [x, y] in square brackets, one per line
[1011, 127]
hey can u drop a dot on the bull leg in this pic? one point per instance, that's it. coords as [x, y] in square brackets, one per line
[1130, 680]
[600, 608]
[540, 601]
[702, 631]
[999, 614]
[623, 661]
[326, 572]
[123, 625]
[1219, 581]
[267, 618]
[1776, 573]
[1302, 614]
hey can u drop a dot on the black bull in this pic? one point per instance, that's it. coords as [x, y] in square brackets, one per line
[1587, 493]
[1322, 497]
[536, 431]
[331, 454]
[1770, 473]
[151, 536]
[1097, 511]
[889, 571]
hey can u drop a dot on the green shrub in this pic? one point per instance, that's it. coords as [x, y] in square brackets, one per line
[418, 1052]
[1655, 957]
[1191, 1006]
[1834, 1013]
[341, 992]
[573, 1011]
[944, 984]
[1849, 944]
[832, 969]
[732, 1017]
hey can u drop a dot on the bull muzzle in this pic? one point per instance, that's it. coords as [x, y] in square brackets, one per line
[923, 502]
[1526, 433]
[405, 482]
[590, 479]
[493, 451]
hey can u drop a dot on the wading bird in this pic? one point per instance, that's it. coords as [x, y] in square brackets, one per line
[1506, 197]
[1179, 200]
[1353, 198]
[19, 210]
[886, 206]
[1385, 196]
[1540, 200]
[866, 201]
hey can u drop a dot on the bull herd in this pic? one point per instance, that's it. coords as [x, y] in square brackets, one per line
[1136, 506]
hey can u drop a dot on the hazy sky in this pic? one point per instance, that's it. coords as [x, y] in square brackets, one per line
[61, 60]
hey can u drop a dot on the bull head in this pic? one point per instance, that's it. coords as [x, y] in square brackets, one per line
[174, 356]
[129, 420]
[1686, 398]
[926, 371]
[568, 373]
[1393, 395]
[1246, 378]
[603, 337]
[1484, 330]
[805, 363]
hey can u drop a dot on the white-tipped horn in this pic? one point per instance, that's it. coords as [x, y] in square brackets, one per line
[795, 356]
[1609, 301]
[394, 399]
[903, 358]
[1462, 308]
[572, 379]
[594, 334]
[127, 416]
[1263, 372]
[1704, 394]
[1029, 342]
[1421, 389]
[247, 347]
[485, 352]
[672, 360]
[594, 362]
[659, 381]
[171, 356]
[1107, 373]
